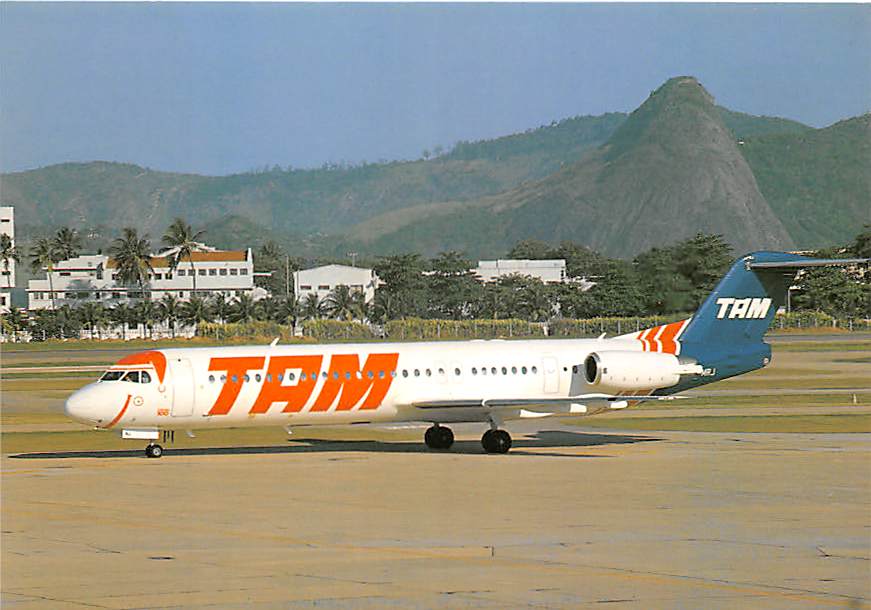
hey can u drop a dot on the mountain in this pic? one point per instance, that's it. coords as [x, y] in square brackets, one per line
[555, 181]
[817, 182]
[670, 170]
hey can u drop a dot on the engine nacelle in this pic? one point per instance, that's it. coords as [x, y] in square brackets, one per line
[632, 371]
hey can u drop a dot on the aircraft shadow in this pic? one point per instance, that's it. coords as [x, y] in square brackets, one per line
[537, 440]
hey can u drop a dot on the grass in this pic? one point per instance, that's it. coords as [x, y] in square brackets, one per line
[762, 402]
[737, 423]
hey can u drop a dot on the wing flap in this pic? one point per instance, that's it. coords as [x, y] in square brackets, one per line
[507, 403]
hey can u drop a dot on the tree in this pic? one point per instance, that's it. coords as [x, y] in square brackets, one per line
[146, 313]
[532, 249]
[194, 312]
[345, 304]
[310, 307]
[132, 258]
[835, 292]
[169, 308]
[403, 284]
[92, 314]
[288, 312]
[43, 255]
[220, 307]
[67, 242]
[453, 288]
[244, 309]
[267, 309]
[861, 246]
[8, 254]
[181, 236]
[271, 258]
[122, 314]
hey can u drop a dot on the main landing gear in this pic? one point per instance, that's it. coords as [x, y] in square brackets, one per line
[496, 441]
[153, 451]
[438, 437]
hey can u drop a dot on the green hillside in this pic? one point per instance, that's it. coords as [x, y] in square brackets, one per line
[670, 170]
[818, 182]
[561, 180]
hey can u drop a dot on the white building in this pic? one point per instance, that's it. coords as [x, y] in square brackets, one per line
[94, 277]
[549, 271]
[7, 274]
[322, 280]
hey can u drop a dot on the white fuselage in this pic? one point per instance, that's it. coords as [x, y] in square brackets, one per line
[292, 385]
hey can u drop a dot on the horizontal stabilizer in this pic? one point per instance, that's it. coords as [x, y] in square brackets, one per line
[808, 262]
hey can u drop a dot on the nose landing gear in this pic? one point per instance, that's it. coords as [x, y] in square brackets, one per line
[438, 437]
[496, 441]
[153, 451]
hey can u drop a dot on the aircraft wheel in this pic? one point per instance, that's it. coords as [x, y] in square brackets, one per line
[496, 441]
[438, 437]
[153, 451]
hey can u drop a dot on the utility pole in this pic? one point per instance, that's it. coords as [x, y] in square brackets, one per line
[287, 276]
[353, 256]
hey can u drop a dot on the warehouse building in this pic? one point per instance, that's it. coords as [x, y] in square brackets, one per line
[323, 280]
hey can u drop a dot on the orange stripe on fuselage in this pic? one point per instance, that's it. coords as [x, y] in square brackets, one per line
[120, 413]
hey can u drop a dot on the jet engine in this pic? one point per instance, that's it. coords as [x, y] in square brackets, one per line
[616, 371]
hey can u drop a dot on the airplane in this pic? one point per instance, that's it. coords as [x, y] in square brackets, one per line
[444, 382]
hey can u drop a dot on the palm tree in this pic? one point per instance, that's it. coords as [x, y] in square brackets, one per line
[195, 311]
[244, 309]
[180, 235]
[92, 314]
[132, 258]
[311, 308]
[147, 314]
[43, 255]
[8, 253]
[288, 311]
[67, 242]
[121, 314]
[267, 309]
[343, 304]
[169, 309]
[220, 307]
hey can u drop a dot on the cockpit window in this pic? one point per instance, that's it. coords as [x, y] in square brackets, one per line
[132, 376]
[112, 375]
[145, 378]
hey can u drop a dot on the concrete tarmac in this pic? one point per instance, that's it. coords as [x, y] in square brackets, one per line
[569, 519]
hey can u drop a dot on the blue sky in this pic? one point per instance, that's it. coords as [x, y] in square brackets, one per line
[222, 88]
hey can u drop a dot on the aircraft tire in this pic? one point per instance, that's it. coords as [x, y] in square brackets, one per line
[496, 441]
[438, 437]
[153, 451]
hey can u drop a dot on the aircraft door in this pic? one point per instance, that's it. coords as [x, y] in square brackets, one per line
[183, 389]
[551, 374]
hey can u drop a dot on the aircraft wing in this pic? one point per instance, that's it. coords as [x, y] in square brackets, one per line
[514, 403]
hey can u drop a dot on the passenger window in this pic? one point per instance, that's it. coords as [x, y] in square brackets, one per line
[335, 374]
[405, 372]
[457, 372]
[428, 373]
[483, 370]
[211, 379]
[145, 378]
[417, 372]
[493, 370]
[235, 378]
[291, 376]
[257, 377]
[280, 377]
[380, 374]
[474, 371]
[347, 375]
[523, 370]
[132, 377]
[504, 371]
[513, 370]
[393, 373]
[370, 374]
[534, 370]
[247, 378]
[223, 378]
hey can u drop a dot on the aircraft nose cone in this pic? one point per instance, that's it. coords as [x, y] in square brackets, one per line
[77, 407]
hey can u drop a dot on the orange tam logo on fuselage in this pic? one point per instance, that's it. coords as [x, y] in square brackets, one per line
[291, 381]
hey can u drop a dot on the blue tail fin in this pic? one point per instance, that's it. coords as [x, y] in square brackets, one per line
[725, 335]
